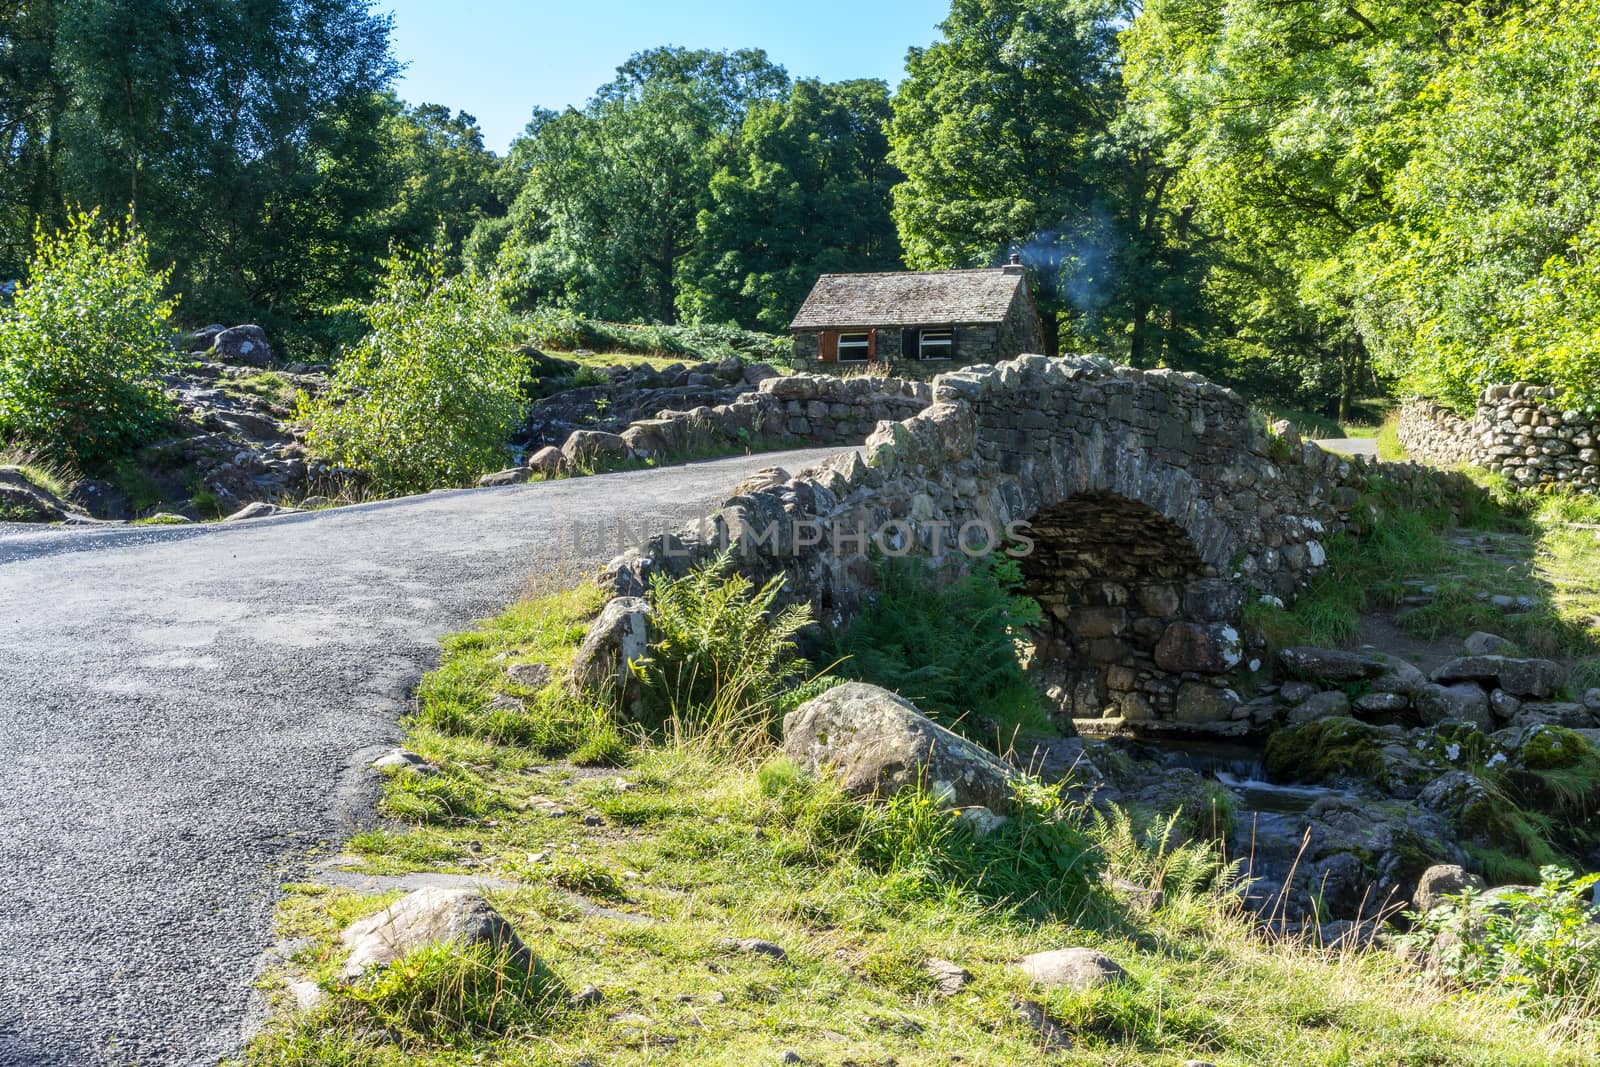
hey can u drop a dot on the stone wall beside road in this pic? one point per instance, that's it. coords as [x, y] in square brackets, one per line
[1517, 431]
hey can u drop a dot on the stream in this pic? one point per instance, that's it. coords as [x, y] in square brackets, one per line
[1238, 767]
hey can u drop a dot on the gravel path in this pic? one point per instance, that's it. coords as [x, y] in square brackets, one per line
[184, 712]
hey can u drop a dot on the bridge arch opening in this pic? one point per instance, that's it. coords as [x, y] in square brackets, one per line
[1136, 624]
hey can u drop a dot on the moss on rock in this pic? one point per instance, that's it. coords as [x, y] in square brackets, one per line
[1324, 749]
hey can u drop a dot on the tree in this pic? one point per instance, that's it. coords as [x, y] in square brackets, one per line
[83, 343]
[442, 175]
[32, 100]
[806, 193]
[611, 194]
[242, 138]
[1484, 269]
[1280, 122]
[430, 395]
[995, 129]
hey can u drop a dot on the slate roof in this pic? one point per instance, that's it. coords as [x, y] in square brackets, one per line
[909, 298]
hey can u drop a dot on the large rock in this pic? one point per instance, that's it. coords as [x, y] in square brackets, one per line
[428, 916]
[1198, 703]
[1332, 664]
[243, 344]
[510, 476]
[1209, 649]
[1334, 702]
[589, 446]
[1486, 644]
[879, 744]
[1572, 716]
[618, 637]
[1400, 677]
[22, 501]
[546, 461]
[1519, 677]
[1440, 881]
[1072, 968]
[1464, 702]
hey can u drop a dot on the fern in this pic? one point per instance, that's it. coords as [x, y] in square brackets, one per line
[948, 643]
[724, 656]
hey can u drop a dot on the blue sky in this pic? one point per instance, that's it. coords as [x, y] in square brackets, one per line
[498, 58]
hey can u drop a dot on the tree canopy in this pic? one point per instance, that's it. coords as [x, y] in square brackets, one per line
[1316, 201]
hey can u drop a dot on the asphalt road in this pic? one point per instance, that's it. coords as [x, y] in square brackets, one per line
[1352, 446]
[185, 712]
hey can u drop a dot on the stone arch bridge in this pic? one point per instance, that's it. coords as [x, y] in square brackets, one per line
[1146, 509]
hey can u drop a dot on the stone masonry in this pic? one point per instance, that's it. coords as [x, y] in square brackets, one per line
[1146, 508]
[1517, 431]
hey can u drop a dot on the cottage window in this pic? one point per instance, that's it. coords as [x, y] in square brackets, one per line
[936, 344]
[855, 347]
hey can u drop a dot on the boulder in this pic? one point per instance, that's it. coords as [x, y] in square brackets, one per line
[1399, 677]
[1503, 704]
[1464, 702]
[1519, 677]
[203, 338]
[1332, 664]
[1440, 881]
[1482, 644]
[1072, 968]
[1572, 716]
[1381, 703]
[1209, 649]
[948, 978]
[427, 916]
[22, 501]
[588, 446]
[243, 344]
[879, 744]
[510, 476]
[1198, 703]
[618, 637]
[1591, 700]
[650, 438]
[546, 461]
[1320, 706]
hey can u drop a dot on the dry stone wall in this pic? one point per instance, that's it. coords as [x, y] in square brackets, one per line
[1517, 431]
[795, 409]
[1147, 507]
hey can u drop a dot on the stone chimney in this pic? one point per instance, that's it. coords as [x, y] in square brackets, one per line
[1015, 265]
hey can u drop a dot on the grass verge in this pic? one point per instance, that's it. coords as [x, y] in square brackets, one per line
[686, 848]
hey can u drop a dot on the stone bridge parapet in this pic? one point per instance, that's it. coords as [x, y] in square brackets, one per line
[1145, 509]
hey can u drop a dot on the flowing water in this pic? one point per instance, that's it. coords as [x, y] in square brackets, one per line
[1238, 767]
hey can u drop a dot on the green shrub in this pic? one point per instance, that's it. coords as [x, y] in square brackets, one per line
[83, 344]
[723, 656]
[1161, 856]
[1040, 861]
[448, 994]
[1539, 948]
[948, 642]
[430, 396]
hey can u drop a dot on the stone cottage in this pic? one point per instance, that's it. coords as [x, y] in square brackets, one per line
[916, 323]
